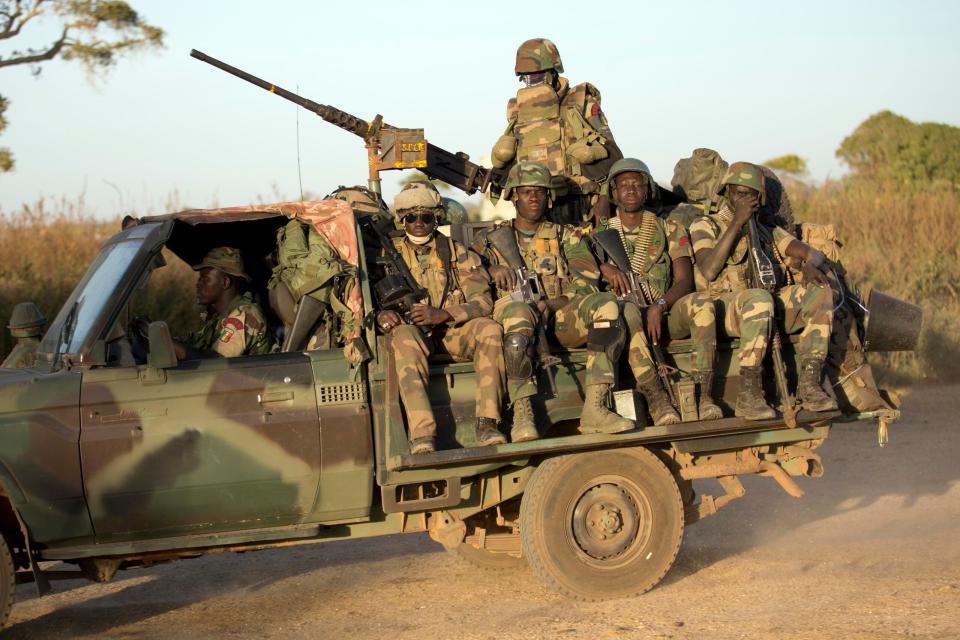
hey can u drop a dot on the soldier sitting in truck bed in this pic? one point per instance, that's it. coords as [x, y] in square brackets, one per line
[454, 319]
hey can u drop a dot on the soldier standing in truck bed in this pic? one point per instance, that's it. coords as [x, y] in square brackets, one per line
[26, 325]
[562, 127]
[574, 311]
[458, 313]
[721, 247]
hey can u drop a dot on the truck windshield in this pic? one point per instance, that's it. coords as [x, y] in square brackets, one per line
[80, 313]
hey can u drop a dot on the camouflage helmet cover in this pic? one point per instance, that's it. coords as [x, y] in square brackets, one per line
[360, 199]
[26, 320]
[225, 259]
[527, 173]
[419, 196]
[747, 175]
[630, 165]
[536, 55]
[456, 213]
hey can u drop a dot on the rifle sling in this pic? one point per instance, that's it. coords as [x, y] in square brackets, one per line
[640, 259]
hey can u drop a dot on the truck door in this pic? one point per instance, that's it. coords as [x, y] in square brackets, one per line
[214, 444]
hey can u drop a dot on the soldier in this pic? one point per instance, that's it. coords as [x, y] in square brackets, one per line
[234, 324]
[26, 325]
[721, 249]
[561, 126]
[573, 310]
[660, 255]
[456, 315]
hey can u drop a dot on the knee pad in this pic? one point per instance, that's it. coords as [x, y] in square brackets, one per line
[607, 336]
[516, 356]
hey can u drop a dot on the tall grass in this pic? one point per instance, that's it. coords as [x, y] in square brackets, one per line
[905, 243]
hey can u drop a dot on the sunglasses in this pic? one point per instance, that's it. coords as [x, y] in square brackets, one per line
[427, 218]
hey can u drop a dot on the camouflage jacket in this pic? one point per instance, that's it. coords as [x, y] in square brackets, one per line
[241, 330]
[23, 354]
[735, 276]
[560, 254]
[565, 130]
[668, 242]
[467, 283]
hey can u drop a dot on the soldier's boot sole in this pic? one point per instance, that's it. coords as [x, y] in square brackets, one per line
[596, 418]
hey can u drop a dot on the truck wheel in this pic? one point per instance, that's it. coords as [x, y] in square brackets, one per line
[600, 525]
[484, 558]
[8, 583]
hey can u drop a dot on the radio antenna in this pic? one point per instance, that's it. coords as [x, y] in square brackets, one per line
[299, 174]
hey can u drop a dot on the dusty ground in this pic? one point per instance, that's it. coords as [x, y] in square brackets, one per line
[872, 551]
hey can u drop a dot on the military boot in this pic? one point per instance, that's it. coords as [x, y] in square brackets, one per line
[596, 418]
[488, 434]
[706, 406]
[658, 402]
[809, 391]
[524, 426]
[422, 445]
[750, 402]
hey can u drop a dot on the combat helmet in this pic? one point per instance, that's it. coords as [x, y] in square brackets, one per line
[628, 165]
[747, 175]
[537, 55]
[456, 213]
[527, 173]
[360, 199]
[26, 321]
[420, 196]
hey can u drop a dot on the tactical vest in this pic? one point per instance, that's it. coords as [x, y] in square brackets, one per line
[435, 270]
[543, 254]
[550, 128]
[736, 274]
[657, 274]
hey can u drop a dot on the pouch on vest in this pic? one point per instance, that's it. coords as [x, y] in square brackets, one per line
[538, 127]
[505, 149]
[588, 146]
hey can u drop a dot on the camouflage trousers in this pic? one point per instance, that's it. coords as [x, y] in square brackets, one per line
[568, 325]
[692, 316]
[802, 308]
[480, 339]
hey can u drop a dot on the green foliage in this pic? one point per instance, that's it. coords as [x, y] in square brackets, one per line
[93, 33]
[887, 147]
[790, 163]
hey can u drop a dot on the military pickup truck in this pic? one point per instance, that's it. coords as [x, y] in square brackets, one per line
[115, 455]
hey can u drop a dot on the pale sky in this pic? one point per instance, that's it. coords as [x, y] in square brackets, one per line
[753, 80]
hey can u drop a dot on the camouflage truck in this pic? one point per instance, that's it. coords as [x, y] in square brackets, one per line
[115, 455]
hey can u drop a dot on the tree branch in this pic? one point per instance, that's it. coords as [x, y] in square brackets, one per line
[49, 54]
[15, 22]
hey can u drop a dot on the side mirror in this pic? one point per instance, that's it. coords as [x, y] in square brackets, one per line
[162, 354]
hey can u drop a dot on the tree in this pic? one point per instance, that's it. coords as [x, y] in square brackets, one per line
[92, 32]
[889, 147]
[790, 163]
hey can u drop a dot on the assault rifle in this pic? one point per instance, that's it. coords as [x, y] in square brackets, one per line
[388, 147]
[764, 277]
[528, 289]
[639, 294]
[397, 290]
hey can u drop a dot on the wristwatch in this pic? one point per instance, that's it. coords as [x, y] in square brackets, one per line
[662, 301]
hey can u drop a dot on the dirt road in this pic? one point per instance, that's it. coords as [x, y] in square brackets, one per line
[872, 551]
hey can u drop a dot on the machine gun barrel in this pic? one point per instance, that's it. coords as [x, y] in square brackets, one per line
[640, 295]
[528, 289]
[389, 147]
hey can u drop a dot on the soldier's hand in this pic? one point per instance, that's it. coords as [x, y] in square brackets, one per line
[654, 322]
[388, 320]
[617, 279]
[812, 273]
[425, 315]
[744, 206]
[503, 277]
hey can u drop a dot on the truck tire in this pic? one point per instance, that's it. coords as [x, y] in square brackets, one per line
[483, 558]
[8, 583]
[599, 525]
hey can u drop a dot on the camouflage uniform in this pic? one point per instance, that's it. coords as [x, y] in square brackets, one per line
[560, 126]
[461, 287]
[26, 324]
[471, 334]
[241, 329]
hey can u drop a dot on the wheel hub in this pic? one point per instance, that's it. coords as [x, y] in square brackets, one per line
[605, 521]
